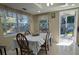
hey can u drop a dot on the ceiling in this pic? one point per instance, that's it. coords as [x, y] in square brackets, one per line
[37, 8]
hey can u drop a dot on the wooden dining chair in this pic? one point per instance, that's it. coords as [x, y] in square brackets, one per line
[23, 44]
[45, 46]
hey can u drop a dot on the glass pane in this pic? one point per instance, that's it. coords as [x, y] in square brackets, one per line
[63, 20]
[70, 19]
[9, 14]
[9, 24]
[70, 25]
[63, 25]
[24, 23]
[14, 15]
[63, 28]
[43, 25]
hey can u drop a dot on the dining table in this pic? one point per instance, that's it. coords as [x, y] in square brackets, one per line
[35, 42]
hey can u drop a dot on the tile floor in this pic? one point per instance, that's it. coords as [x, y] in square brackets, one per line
[55, 49]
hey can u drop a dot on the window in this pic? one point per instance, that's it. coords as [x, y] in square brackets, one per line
[23, 24]
[13, 23]
[43, 23]
[9, 24]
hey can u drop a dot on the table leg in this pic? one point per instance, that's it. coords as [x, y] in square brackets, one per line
[5, 51]
[16, 51]
[50, 42]
[1, 51]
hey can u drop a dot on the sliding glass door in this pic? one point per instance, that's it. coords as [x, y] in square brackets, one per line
[67, 26]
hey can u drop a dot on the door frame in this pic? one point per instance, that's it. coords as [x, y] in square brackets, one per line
[76, 23]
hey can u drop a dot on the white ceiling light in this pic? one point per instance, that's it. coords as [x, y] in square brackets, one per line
[47, 4]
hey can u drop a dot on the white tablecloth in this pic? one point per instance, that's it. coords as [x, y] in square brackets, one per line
[35, 42]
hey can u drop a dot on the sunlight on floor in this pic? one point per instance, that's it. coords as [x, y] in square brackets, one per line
[65, 43]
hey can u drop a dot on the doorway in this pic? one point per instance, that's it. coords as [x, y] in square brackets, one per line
[68, 26]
